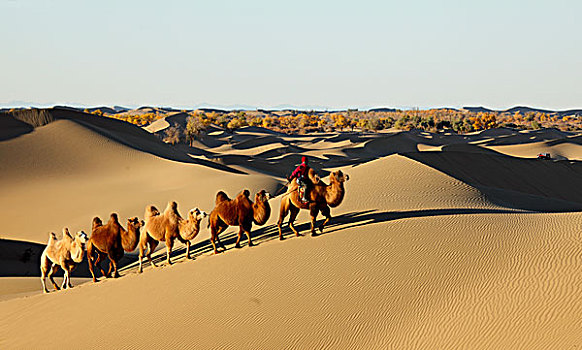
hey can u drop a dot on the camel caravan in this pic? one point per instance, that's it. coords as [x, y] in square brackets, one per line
[305, 190]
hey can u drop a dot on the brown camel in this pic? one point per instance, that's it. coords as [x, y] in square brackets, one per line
[241, 212]
[321, 196]
[168, 226]
[111, 240]
[66, 253]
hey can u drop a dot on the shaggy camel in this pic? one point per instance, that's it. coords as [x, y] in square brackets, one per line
[168, 226]
[66, 253]
[241, 212]
[322, 197]
[111, 240]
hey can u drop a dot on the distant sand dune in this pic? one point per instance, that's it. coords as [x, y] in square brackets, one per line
[443, 241]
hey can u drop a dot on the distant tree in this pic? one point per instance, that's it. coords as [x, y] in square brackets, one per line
[194, 127]
[172, 135]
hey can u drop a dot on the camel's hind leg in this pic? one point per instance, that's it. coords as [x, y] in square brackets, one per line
[152, 244]
[169, 246]
[146, 243]
[239, 236]
[45, 266]
[215, 231]
[91, 259]
[325, 211]
[53, 270]
[294, 212]
[313, 211]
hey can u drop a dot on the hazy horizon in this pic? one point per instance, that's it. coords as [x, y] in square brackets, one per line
[326, 54]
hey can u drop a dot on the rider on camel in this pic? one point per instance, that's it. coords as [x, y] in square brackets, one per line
[300, 173]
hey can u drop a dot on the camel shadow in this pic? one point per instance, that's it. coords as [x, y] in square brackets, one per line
[337, 223]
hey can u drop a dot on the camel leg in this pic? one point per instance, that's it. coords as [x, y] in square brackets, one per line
[142, 247]
[44, 268]
[69, 285]
[327, 213]
[188, 250]
[152, 245]
[169, 246]
[90, 260]
[114, 263]
[313, 211]
[214, 232]
[282, 214]
[240, 232]
[53, 270]
[294, 212]
[65, 278]
[247, 229]
[219, 241]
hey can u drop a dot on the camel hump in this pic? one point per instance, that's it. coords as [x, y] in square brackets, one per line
[113, 218]
[172, 206]
[151, 211]
[221, 197]
[52, 237]
[97, 222]
[246, 193]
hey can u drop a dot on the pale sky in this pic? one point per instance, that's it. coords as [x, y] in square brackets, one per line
[331, 54]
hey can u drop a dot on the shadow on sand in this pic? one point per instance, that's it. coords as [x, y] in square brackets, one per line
[337, 223]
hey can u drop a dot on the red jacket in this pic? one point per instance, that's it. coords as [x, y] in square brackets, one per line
[301, 170]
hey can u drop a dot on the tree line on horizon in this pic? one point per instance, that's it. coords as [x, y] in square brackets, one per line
[301, 122]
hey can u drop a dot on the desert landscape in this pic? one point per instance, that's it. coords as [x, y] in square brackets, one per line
[443, 240]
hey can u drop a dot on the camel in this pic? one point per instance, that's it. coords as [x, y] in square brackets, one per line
[66, 253]
[238, 212]
[321, 196]
[111, 240]
[167, 227]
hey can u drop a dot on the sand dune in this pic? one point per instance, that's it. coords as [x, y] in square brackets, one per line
[442, 241]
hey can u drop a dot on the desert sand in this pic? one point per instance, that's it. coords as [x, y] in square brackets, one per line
[443, 241]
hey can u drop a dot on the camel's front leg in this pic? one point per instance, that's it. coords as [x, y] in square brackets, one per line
[282, 214]
[326, 211]
[187, 249]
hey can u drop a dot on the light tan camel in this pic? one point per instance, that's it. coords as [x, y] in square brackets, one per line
[238, 212]
[168, 226]
[321, 196]
[66, 253]
[111, 240]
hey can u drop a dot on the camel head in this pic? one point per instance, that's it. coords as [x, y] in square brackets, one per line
[135, 222]
[262, 196]
[196, 214]
[82, 238]
[339, 176]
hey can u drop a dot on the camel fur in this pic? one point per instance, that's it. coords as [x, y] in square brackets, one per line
[111, 240]
[241, 212]
[321, 198]
[166, 227]
[65, 253]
